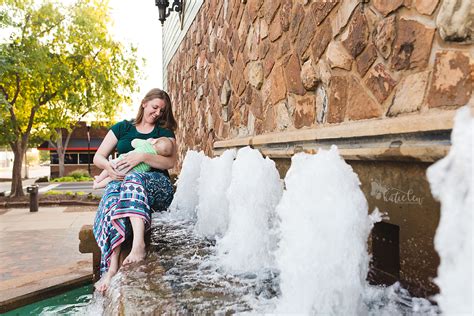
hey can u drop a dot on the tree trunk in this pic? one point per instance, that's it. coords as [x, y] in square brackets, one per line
[61, 152]
[61, 162]
[17, 185]
[26, 165]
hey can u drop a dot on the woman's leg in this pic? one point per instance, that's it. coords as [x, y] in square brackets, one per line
[104, 282]
[106, 235]
[138, 245]
[104, 232]
[133, 208]
[140, 193]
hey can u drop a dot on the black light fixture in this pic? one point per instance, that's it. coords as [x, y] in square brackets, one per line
[164, 11]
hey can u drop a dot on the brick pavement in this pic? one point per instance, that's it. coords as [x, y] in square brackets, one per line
[40, 250]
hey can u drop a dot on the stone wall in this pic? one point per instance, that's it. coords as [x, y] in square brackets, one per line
[253, 67]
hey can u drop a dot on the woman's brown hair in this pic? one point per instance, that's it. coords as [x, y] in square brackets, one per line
[166, 119]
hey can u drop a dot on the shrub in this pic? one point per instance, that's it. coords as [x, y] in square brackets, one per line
[53, 192]
[79, 173]
[93, 197]
[72, 179]
[64, 179]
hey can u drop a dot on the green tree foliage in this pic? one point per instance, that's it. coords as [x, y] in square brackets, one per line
[58, 64]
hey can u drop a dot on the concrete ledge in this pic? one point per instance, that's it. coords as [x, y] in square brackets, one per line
[87, 244]
[409, 138]
[42, 285]
[366, 128]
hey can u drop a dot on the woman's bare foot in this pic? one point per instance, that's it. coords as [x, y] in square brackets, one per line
[103, 284]
[137, 254]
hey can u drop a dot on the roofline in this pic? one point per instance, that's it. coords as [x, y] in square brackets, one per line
[71, 148]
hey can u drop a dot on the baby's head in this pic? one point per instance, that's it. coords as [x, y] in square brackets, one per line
[162, 145]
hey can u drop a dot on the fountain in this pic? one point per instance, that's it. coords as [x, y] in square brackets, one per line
[322, 255]
[213, 208]
[451, 182]
[253, 194]
[238, 240]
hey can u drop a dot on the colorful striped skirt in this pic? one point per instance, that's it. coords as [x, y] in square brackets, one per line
[139, 194]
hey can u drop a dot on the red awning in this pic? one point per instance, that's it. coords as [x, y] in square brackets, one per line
[76, 144]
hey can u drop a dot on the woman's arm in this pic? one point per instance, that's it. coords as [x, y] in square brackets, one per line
[130, 160]
[104, 150]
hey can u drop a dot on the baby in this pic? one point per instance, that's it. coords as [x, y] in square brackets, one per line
[158, 146]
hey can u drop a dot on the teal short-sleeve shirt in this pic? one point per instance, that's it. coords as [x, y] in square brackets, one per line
[125, 131]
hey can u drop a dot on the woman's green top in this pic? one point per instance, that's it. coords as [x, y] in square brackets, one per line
[125, 131]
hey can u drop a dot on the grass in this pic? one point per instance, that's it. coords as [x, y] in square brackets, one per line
[72, 179]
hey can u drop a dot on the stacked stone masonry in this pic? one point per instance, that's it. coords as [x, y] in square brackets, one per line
[253, 67]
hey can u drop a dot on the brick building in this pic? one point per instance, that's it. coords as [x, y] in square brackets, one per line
[79, 153]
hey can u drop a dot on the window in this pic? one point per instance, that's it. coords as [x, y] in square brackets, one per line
[54, 158]
[70, 159]
[85, 158]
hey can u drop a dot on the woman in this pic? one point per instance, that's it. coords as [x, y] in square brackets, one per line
[126, 206]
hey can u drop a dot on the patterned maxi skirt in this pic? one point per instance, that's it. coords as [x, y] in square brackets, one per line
[139, 194]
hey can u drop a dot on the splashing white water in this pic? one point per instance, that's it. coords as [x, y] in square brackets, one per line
[451, 182]
[213, 207]
[254, 192]
[186, 196]
[322, 255]
[323, 229]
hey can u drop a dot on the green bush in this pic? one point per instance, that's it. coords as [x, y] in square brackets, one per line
[91, 196]
[53, 192]
[79, 173]
[75, 176]
[64, 179]
[72, 179]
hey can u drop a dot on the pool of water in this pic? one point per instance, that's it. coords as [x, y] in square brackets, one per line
[69, 303]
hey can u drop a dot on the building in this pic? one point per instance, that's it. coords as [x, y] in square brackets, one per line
[380, 79]
[79, 153]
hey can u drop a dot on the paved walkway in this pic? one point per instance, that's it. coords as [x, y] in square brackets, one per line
[40, 250]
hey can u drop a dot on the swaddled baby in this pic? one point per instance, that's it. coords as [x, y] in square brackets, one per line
[157, 146]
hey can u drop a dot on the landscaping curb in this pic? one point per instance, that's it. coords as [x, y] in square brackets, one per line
[47, 203]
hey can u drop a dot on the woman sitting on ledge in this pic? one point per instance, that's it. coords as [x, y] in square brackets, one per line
[125, 208]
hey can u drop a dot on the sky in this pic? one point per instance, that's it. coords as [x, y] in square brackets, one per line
[136, 22]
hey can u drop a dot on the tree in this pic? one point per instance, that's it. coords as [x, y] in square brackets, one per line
[106, 78]
[54, 56]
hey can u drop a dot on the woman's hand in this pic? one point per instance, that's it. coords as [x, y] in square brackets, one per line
[113, 172]
[129, 161]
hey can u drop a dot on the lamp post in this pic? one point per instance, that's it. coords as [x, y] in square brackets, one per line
[88, 124]
[164, 11]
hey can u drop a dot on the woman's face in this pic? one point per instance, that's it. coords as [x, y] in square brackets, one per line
[152, 110]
